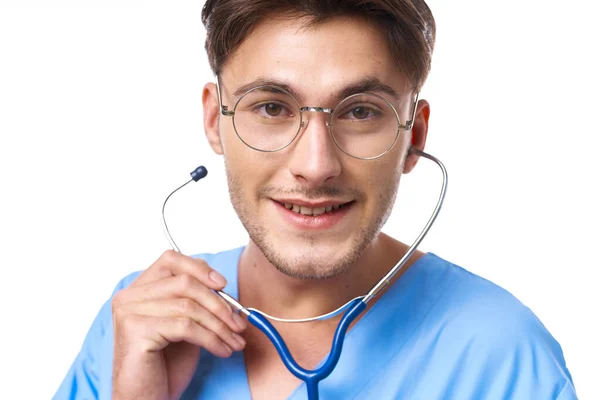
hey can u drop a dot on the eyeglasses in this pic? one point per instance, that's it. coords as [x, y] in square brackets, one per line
[364, 125]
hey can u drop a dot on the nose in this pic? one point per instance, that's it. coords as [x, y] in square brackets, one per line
[314, 157]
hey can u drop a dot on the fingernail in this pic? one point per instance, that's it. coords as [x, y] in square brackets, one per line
[217, 278]
[239, 321]
[226, 348]
[240, 340]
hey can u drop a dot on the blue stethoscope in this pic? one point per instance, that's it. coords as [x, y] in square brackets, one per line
[351, 309]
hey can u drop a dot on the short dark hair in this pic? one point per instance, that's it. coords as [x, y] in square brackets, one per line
[408, 25]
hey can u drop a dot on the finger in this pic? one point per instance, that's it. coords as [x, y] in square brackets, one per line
[188, 308]
[182, 286]
[172, 263]
[153, 334]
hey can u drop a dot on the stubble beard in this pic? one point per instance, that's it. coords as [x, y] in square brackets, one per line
[310, 266]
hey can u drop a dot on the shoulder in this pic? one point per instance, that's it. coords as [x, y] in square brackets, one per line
[492, 331]
[482, 308]
[456, 296]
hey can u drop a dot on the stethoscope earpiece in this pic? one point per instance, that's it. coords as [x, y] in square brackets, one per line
[199, 173]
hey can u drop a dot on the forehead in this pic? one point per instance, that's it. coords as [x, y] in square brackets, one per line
[316, 60]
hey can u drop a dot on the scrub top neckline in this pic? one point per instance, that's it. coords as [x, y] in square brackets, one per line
[231, 275]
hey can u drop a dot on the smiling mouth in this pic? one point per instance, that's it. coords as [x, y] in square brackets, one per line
[314, 211]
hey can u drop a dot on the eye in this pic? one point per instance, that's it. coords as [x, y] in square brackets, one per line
[360, 112]
[273, 109]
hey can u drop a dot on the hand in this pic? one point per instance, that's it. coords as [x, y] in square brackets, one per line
[160, 323]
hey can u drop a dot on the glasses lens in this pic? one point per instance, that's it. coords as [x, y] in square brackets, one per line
[267, 118]
[365, 125]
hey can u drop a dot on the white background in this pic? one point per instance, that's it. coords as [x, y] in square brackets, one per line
[100, 118]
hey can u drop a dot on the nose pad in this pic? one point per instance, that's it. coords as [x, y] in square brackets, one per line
[304, 123]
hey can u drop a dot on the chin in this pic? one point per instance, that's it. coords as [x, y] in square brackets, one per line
[310, 259]
[309, 267]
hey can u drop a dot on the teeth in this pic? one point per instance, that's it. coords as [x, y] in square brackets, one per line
[306, 211]
[311, 211]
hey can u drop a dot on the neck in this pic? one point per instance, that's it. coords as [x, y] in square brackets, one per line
[263, 287]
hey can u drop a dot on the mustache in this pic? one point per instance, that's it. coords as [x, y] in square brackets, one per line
[311, 193]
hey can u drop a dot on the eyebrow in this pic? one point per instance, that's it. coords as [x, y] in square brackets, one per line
[367, 84]
[264, 82]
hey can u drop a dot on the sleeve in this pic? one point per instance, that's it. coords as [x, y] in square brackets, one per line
[567, 392]
[82, 381]
[500, 349]
[518, 357]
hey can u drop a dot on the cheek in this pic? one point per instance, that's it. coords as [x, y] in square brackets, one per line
[386, 170]
[381, 183]
[228, 136]
[249, 170]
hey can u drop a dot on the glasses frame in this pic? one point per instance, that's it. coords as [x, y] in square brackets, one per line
[231, 113]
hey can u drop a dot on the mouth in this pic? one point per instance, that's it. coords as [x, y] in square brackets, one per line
[314, 211]
[322, 215]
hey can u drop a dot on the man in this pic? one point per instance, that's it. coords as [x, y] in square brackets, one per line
[315, 111]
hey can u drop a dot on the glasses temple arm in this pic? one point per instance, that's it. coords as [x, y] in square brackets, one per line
[224, 109]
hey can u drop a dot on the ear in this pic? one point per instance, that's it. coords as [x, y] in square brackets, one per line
[419, 134]
[212, 111]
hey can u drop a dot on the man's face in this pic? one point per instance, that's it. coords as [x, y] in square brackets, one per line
[350, 198]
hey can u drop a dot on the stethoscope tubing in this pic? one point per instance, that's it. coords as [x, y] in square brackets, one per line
[262, 323]
[351, 310]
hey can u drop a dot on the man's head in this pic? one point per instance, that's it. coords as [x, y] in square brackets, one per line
[321, 52]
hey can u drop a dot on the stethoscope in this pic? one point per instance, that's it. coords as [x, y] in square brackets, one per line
[352, 309]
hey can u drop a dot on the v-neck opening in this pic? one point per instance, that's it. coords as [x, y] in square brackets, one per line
[232, 289]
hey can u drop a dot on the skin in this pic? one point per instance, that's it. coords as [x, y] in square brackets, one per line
[168, 313]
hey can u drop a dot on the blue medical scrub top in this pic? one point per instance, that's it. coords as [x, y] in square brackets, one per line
[439, 332]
